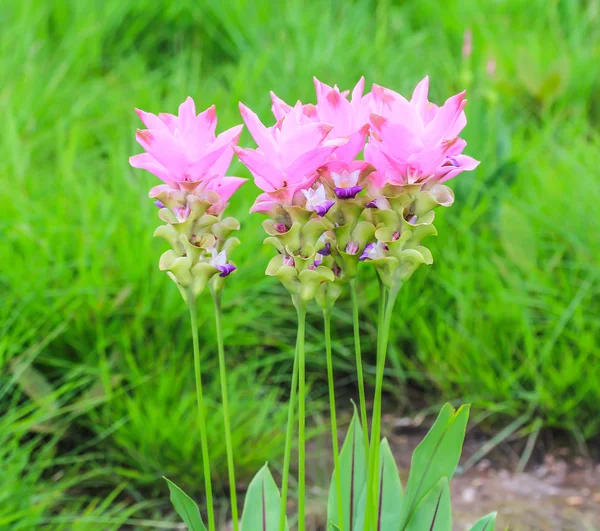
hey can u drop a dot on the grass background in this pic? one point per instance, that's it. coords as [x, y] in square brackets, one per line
[96, 389]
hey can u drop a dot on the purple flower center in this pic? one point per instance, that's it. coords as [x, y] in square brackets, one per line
[324, 207]
[226, 269]
[326, 251]
[348, 193]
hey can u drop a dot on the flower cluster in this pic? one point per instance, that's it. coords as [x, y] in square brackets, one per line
[327, 209]
[185, 154]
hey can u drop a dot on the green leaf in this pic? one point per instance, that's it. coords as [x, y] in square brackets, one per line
[262, 504]
[436, 457]
[391, 497]
[434, 513]
[486, 523]
[186, 508]
[353, 471]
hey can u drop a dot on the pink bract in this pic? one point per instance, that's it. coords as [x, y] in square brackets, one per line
[416, 141]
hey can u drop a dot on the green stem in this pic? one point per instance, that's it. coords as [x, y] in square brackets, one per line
[334, 432]
[383, 333]
[359, 365]
[226, 417]
[200, 398]
[301, 416]
[288, 442]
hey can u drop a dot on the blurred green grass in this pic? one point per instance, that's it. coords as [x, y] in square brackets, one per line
[507, 317]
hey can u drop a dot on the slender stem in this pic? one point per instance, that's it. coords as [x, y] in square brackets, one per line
[383, 333]
[200, 398]
[359, 366]
[334, 432]
[371, 509]
[301, 417]
[226, 417]
[288, 442]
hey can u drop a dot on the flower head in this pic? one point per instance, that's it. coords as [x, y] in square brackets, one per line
[184, 149]
[416, 141]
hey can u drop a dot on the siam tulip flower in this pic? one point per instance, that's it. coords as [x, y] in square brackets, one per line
[416, 142]
[184, 152]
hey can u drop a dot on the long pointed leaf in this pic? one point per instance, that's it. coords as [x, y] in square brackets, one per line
[436, 457]
[391, 497]
[353, 471]
[434, 513]
[486, 523]
[262, 504]
[185, 507]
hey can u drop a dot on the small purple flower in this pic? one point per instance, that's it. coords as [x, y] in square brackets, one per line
[323, 208]
[159, 204]
[373, 251]
[219, 262]
[317, 201]
[348, 193]
[288, 260]
[453, 162]
[281, 227]
[226, 269]
[372, 204]
[352, 247]
[395, 236]
[317, 263]
[326, 251]
[413, 220]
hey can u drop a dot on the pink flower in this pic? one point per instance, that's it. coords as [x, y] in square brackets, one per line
[287, 156]
[183, 150]
[416, 141]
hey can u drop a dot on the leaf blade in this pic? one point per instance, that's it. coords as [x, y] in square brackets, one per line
[185, 507]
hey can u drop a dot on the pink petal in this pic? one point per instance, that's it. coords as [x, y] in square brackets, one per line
[280, 108]
[419, 98]
[263, 203]
[201, 132]
[336, 110]
[170, 120]
[261, 135]
[266, 176]
[147, 162]
[397, 140]
[354, 146]
[303, 139]
[165, 149]
[151, 121]
[226, 186]
[203, 166]
[448, 121]
[466, 164]
[187, 114]
[307, 164]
